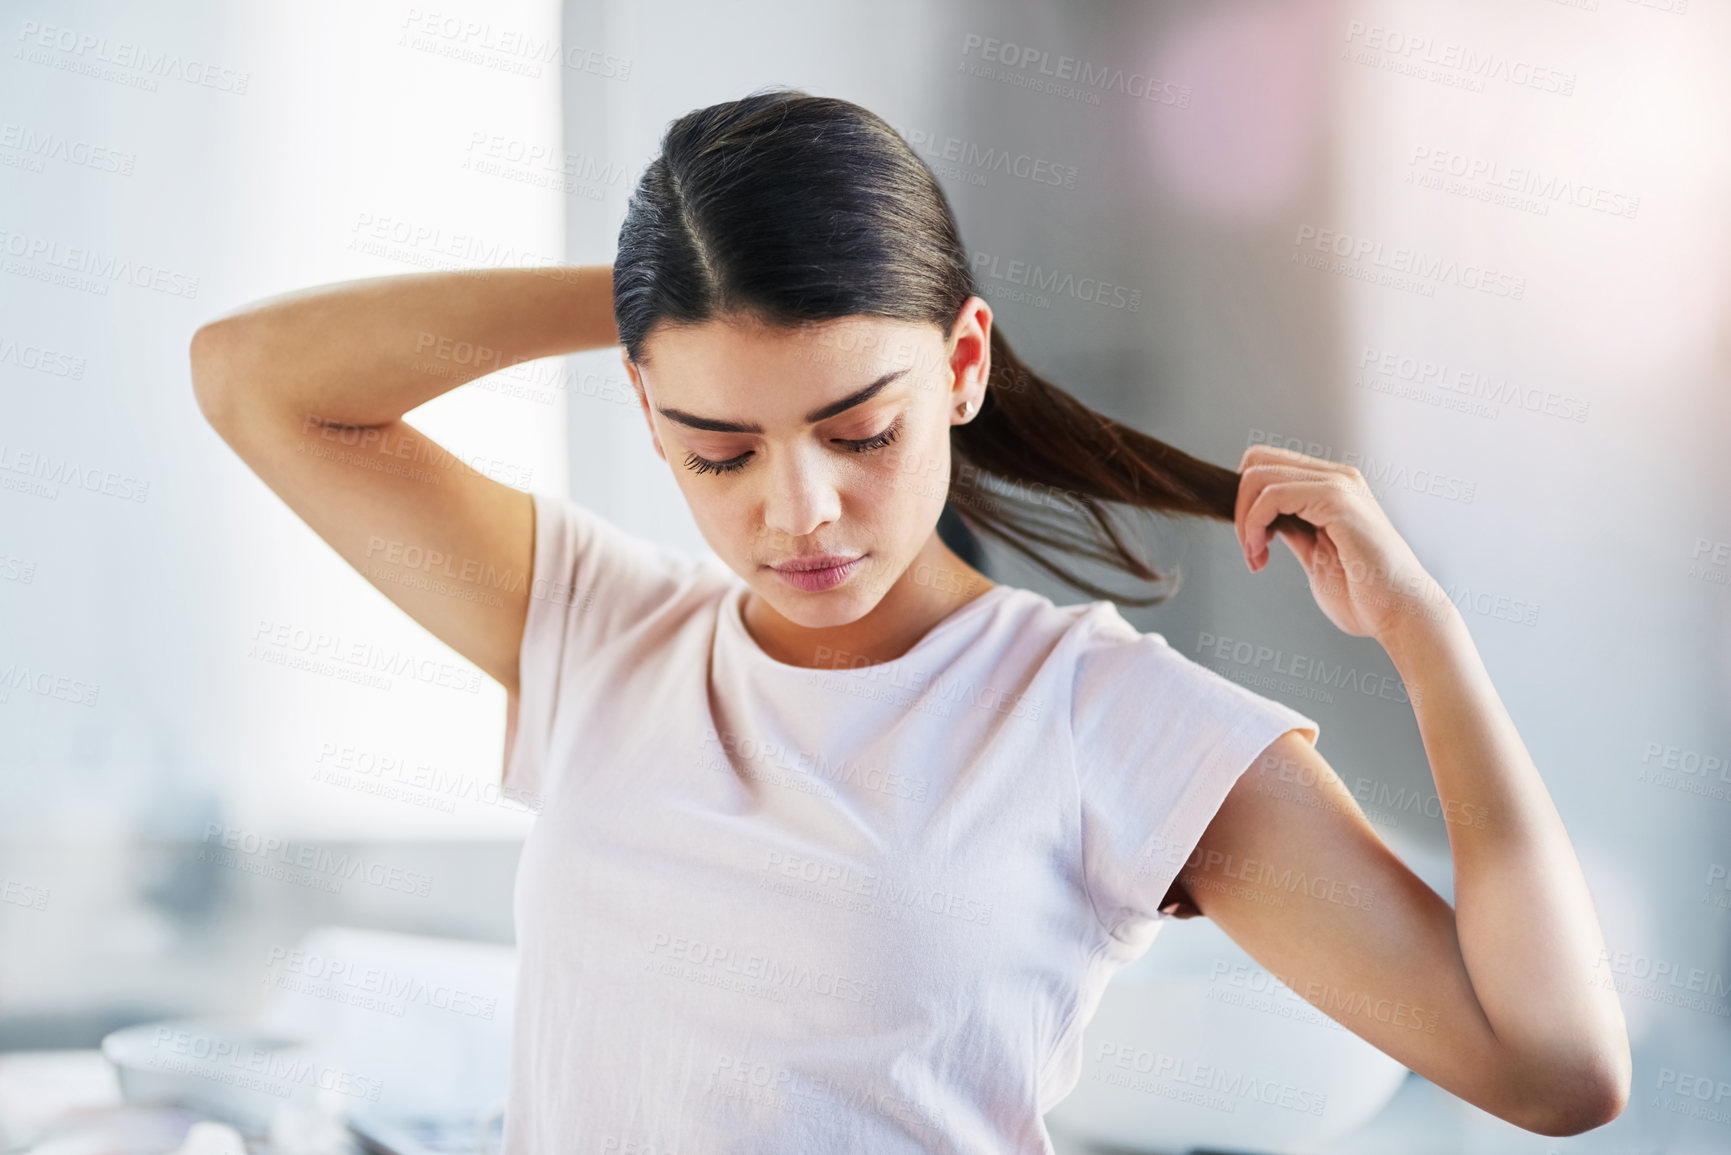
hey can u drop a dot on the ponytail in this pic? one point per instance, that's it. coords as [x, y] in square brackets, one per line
[1051, 452]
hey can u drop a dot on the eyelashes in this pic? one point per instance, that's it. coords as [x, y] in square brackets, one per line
[703, 465]
[890, 433]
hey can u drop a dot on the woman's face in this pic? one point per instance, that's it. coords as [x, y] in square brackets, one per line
[826, 443]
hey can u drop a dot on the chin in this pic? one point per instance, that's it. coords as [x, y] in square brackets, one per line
[816, 610]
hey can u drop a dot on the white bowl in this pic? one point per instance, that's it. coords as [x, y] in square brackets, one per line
[227, 1069]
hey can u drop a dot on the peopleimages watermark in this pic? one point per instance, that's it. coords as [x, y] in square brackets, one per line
[1069, 77]
[1032, 284]
[866, 892]
[18, 676]
[1378, 801]
[750, 972]
[23, 894]
[799, 1093]
[1381, 474]
[540, 165]
[417, 783]
[1363, 258]
[1699, 1096]
[38, 473]
[1332, 1001]
[373, 988]
[305, 864]
[1664, 981]
[779, 763]
[1471, 385]
[31, 148]
[1668, 7]
[1302, 668]
[1717, 888]
[17, 569]
[385, 451]
[1387, 804]
[276, 1071]
[365, 663]
[1251, 988]
[1710, 561]
[1447, 62]
[1689, 771]
[1208, 1085]
[1270, 883]
[970, 162]
[120, 61]
[40, 359]
[933, 694]
[1520, 187]
[540, 381]
[963, 484]
[512, 50]
[437, 572]
[429, 246]
[87, 269]
[869, 686]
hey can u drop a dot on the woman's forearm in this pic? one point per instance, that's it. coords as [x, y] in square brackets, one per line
[1527, 929]
[367, 351]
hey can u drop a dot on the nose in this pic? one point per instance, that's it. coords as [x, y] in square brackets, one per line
[802, 495]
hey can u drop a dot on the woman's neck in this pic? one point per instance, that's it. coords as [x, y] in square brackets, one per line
[935, 585]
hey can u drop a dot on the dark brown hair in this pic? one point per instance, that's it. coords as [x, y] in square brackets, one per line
[791, 209]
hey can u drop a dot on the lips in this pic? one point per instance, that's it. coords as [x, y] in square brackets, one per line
[817, 573]
[814, 561]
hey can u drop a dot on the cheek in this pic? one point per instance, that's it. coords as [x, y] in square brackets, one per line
[721, 519]
[918, 476]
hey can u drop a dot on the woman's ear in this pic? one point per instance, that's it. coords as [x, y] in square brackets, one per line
[970, 352]
[636, 376]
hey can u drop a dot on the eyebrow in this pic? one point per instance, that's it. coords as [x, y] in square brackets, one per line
[712, 425]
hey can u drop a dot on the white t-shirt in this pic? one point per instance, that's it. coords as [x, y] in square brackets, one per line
[768, 909]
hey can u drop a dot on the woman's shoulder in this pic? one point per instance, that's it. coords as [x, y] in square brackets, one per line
[1105, 657]
[602, 578]
[1086, 626]
[1088, 644]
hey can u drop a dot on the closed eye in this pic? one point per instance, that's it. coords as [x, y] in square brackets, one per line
[890, 433]
[733, 464]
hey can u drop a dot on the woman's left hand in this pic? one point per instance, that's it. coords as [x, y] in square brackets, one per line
[1363, 574]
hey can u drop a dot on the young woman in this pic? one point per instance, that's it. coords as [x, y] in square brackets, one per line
[840, 841]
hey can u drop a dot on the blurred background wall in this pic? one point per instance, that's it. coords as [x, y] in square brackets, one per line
[1478, 250]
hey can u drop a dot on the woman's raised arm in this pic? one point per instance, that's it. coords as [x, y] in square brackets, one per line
[310, 388]
[1506, 999]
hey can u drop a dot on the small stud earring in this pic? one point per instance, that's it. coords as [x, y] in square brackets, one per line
[966, 409]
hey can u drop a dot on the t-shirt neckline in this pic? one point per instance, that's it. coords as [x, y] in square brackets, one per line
[736, 622]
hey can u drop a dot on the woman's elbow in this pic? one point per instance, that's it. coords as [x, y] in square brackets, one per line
[1580, 1103]
[208, 357]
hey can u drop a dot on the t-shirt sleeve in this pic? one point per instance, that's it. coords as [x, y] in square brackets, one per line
[590, 581]
[1160, 740]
